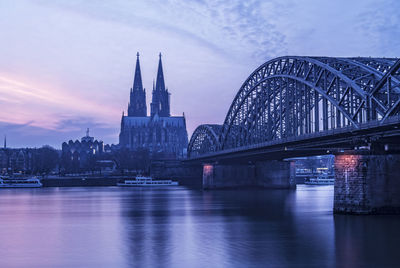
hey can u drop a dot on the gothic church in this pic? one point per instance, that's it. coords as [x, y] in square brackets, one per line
[160, 133]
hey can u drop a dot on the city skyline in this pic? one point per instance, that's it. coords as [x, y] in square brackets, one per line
[69, 65]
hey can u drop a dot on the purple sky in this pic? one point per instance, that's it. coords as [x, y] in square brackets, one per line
[67, 65]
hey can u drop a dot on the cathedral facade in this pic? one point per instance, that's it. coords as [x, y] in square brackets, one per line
[160, 133]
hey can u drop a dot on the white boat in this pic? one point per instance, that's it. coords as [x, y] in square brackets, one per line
[323, 179]
[140, 181]
[20, 183]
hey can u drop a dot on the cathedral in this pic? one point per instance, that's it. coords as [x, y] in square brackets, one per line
[160, 133]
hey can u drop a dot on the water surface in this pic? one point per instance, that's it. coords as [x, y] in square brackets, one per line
[181, 227]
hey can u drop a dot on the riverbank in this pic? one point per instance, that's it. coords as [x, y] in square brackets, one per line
[101, 181]
[80, 181]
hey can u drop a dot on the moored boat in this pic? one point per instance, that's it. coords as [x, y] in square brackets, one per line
[323, 179]
[32, 182]
[140, 181]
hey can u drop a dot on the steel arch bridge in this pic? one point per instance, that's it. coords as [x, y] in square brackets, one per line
[205, 139]
[296, 96]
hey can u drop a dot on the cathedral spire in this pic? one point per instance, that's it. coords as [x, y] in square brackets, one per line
[160, 84]
[160, 99]
[137, 101]
[137, 81]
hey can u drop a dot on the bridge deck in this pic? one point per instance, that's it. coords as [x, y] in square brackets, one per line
[330, 141]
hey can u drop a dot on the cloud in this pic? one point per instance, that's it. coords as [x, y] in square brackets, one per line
[234, 29]
[21, 100]
[28, 135]
[380, 23]
[244, 29]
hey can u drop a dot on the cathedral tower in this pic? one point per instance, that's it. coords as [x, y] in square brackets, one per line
[137, 102]
[160, 99]
[162, 135]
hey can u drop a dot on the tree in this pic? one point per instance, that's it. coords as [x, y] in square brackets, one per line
[138, 159]
[45, 160]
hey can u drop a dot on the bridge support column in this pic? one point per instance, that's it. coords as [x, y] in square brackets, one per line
[276, 174]
[185, 174]
[266, 174]
[367, 184]
[217, 176]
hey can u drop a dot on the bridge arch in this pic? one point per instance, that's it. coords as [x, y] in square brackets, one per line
[204, 139]
[292, 96]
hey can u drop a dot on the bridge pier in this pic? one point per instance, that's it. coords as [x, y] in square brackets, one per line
[217, 176]
[367, 184]
[267, 174]
[276, 174]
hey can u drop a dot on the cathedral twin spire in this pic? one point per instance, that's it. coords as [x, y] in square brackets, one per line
[160, 101]
[137, 100]
[137, 81]
[160, 97]
[160, 85]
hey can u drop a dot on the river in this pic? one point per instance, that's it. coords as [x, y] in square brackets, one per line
[183, 227]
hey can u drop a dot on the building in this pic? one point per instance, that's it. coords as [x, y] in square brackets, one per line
[160, 133]
[16, 160]
[38, 161]
[81, 155]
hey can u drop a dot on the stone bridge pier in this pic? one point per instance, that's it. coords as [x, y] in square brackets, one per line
[268, 174]
[367, 183]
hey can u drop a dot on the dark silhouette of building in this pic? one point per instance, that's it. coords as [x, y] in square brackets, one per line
[160, 98]
[137, 100]
[28, 160]
[81, 155]
[160, 133]
[15, 160]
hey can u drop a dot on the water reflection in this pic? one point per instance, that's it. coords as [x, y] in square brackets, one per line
[179, 227]
[368, 241]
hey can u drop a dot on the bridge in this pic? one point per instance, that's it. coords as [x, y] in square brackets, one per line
[302, 106]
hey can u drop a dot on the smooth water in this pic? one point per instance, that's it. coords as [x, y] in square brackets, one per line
[181, 227]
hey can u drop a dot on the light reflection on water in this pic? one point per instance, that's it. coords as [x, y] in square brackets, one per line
[180, 227]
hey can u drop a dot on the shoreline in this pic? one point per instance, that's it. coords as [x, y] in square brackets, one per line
[102, 181]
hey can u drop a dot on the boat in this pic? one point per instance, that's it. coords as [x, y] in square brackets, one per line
[323, 179]
[140, 181]
[32, 182]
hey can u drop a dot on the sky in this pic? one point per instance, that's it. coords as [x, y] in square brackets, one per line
[68, 65]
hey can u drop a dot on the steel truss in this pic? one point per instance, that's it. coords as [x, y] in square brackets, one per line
[204, 140]
[293, 96]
